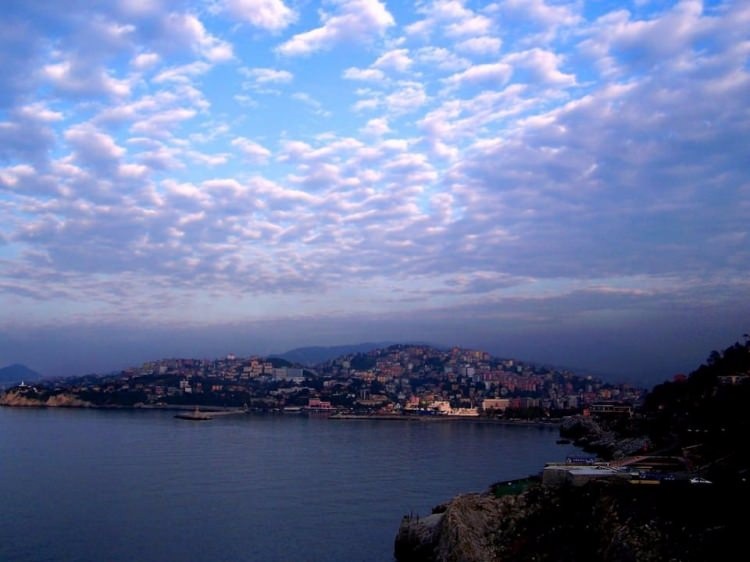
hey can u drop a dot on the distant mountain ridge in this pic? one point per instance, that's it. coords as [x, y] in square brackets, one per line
[17, 373]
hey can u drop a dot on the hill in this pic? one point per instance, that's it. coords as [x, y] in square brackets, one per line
[707, 413]
[310, 356]
[17, 373]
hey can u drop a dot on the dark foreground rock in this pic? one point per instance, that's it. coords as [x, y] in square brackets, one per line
[602, 521]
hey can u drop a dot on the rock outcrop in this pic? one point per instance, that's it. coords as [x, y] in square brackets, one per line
[464, 529]
[29, 399]
[602, 521]
[592, 436]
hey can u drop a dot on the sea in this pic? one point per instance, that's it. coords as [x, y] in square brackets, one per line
[82, 485]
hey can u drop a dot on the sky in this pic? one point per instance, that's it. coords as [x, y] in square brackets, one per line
[558, 181]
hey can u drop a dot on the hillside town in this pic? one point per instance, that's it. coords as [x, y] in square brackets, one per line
[397, 380]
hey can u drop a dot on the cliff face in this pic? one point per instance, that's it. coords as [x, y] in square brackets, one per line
[608, 522]
[464, 529]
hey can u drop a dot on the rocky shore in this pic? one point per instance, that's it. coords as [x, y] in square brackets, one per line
[603, 521]
[592, 436]
[61, 400]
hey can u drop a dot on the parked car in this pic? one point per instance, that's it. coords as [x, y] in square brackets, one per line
[699, 480]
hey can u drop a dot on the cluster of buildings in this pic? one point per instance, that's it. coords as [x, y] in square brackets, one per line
[401, 379]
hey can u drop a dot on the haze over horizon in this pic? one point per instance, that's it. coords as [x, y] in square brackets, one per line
[565, 182]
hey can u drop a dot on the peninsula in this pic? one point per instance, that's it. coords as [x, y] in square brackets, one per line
[395, 382]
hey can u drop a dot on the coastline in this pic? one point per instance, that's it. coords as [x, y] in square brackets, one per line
[554, 423]
[73, 403]
[77, 404]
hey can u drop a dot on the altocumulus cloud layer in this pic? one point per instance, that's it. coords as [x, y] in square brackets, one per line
[565, 181]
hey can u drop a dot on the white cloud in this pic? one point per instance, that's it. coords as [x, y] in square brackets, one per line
[144, 61]
[452, 17]
[140, 7]
[251, 150]
[39, 111]
[206, 159]
[132, 171]
[409, 97]
[185, 190]
[397, 59]
[441, 58]
[352, 21]
[618, 42]
[480, 45]
[312, 103]
[544, 65]
[272, 15]
[268, 75]
[163, 123]
[474, 25]
[544, 12]
[492, 73]
[364, 74]
[548, 17]
[79, 78]
[183, 73]
[156, 154]
[367, 104]
[302, 152]
[376, 127]
[13, 176]
[93, 147]
[187, 29]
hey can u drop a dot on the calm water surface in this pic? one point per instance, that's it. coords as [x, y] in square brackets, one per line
[135, 486]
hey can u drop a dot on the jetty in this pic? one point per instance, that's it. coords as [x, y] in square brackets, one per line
[195, 415]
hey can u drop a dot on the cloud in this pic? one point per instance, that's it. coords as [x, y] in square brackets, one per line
[483, 74]
[94, 148]
[184, 73]
[144, 61]
[441, 58]
[163, 123]
[543, 12]
[365, 75]
[77, 77]
[397, 59]
[547, 17]
[544, 66]
[409, 97]
[187, 29]
[474, 25]
[376, 127]
[557, 176]
[27, 135]
[515, 165]
[19, 48]
[312, 103]
[452, 18]
[618, 42]
[272, 15]
[263, 76]
[352, 21]
[480, 45]
[251, 150]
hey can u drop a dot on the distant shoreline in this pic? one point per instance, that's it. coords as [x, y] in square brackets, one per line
[227, 410]
[429, 419]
